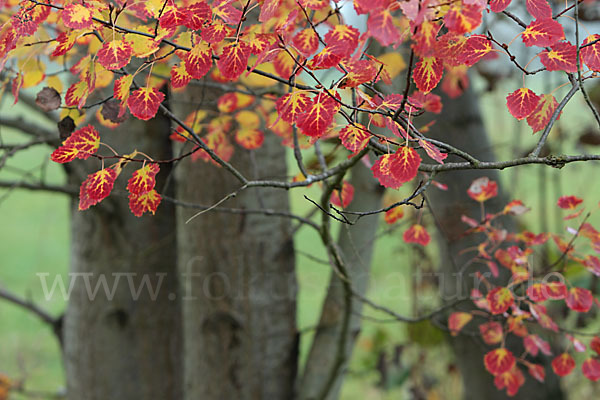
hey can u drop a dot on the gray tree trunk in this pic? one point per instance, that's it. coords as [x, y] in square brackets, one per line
[124, 347]
[461, 125]
[238, 271]
[356, 246]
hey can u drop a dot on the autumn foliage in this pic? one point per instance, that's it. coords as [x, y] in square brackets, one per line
[121, 58]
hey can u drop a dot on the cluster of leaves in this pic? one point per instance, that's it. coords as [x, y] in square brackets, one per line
[509, 309]
[180, 41]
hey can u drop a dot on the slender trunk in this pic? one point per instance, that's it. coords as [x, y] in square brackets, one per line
[460, 124]
[124, 347]
[356, 246]
[239, 301]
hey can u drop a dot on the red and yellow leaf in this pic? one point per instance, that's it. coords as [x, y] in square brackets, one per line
[522, 102]
[293, 104]
[491, 332]
[510, 380]
[563, 364]
[569, 202]
[115, 54]
[499, 361]
[198, 60]
[579, 299]
[319, 116]
[139, 204]
[462, 18]
[500, 299]
[428, 73]
[483, 189]
[65, 42]
[180, 76]
[268, 9]
[393, 215]
[543, 32]
[144, 102]
[382, 171]
[143, 179]
[354, 137]
[249, 138]
[561, 57]
[196, 15]
[474, 49]
[417, 234]
[234, 60]
[77, 16]
[344, 197]
[64, 154]
[380, 25]
[499, 5]
[457, 321]
[590, 53]
[540, 117]
[306, 42]
[433, 151]
[96, 187]
[406, 164]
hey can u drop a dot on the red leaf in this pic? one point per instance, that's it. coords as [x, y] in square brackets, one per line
[491, 332]
[424, 41]
[139, 204]
[406, 164]
[172, 16]
[393, 215]
[319, 116]
[499, 5]
[474, 49]
[543, 32]
[539, 9]
[77, 16]
[249, 138]
[579, 299]
[500, 299]
[590, 55]
[344, 198]
[569, 202]
[306, 42]
[324, 59]
[381, 26]
[215, 32]
[143, 179]
[359, 72]
[563, 364]
[457, 321]
[538, 292]
[533, 344]
[461, 18]
[417, 234]
[537, 372]
[428, 73]
[540, 117]
[65, 42]
[96, 187]
[556, 290]
[115, 54]
[268, 10]
[290, 106]
[179, 76]
[144, 102]
[522, 102]
[198, 60]
[382, 170]
[591, 369]
[512, 380]
[595, 344]
[483, 189]
[64, 154]
[561, 57]
[342, 40]
[433, 151]
[196, 15]
[234, 60]
[354, 137]
[499, 361]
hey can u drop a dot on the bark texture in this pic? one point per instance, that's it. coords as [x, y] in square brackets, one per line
[239, 281]
[356, 246]
[127, 346]
[460, 124]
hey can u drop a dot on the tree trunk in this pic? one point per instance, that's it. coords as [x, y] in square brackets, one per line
[461, 125]
[356, 245]
[239, 303]
[126, 346]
